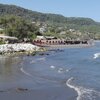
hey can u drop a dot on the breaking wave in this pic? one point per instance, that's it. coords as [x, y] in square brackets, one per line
[96, 55]
[83, 93]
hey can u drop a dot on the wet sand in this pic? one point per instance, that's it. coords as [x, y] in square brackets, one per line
[51, 93]
[24, 87]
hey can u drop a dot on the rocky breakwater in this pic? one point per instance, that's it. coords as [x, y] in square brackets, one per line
[19, 48]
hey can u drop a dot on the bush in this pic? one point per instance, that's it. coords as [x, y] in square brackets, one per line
[2, 42]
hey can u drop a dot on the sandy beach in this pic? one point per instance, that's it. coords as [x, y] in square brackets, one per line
[16, 85]
[52, 93]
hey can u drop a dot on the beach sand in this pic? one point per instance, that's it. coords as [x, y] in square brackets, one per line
[16, 85]
[51, 93]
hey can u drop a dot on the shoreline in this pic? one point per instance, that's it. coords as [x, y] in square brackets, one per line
[59, 92]
[65, 92]
[30, 49]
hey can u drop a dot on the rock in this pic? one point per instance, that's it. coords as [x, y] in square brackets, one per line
[18, 47]
[21, 89]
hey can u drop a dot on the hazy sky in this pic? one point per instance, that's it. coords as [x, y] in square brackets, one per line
[68, 8]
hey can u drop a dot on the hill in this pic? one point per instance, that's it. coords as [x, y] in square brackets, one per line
[37, 16]
[54, 20]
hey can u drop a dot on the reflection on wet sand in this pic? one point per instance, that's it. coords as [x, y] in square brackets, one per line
[9, 66]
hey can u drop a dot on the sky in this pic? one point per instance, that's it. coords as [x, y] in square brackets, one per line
[67, 8]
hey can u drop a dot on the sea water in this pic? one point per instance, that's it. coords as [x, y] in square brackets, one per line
[77, 68]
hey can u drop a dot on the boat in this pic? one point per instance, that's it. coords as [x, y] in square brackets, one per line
[57, 43]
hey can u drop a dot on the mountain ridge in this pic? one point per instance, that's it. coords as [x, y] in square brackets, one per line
[26, 13]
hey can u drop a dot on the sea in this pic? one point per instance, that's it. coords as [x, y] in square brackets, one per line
[77, 68]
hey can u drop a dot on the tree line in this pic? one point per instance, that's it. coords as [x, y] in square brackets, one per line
[18, 27]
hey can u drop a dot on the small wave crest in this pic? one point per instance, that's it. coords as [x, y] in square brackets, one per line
[43, 59]
[96, 55]
[38, 59]
[23, 71]
[83, 93]
[63, 70]
[53, 67]
[59, 69]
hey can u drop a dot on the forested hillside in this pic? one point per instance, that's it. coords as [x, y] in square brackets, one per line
[37, 16]
[54, 21]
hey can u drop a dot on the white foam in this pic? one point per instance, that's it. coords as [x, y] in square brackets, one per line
[83, 93]
[43, 58]
[53, 67]
[26, 73]
[60, 70]
[67, 70]
[96, 55]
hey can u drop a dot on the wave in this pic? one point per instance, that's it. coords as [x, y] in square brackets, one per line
[67, 70]
[53, 67]
[96, 55]
[36, 75]
[26, 73]
[43, 59]
[38, 59]
[60, 70]
[83, 93]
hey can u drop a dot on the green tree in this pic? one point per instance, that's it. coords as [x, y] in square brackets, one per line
[18, 27]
